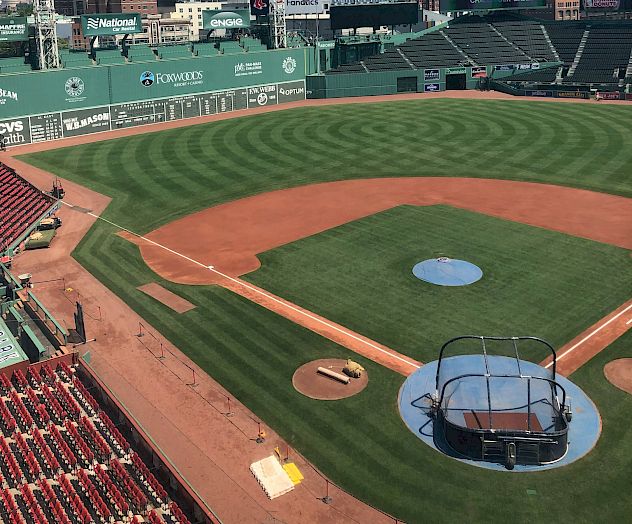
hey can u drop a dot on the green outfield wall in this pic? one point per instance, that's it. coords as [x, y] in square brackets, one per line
[47, 105]
[410, 80]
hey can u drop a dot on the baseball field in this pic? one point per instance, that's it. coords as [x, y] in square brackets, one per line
[553, 282]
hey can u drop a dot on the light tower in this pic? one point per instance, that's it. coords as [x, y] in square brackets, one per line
[46, 34]
[277, 23]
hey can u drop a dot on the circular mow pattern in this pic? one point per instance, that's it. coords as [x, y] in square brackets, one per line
[619, 373]
[309, 382]
[444, 271]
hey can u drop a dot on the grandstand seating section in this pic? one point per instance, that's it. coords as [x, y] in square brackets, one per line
[64, 461]
[21, 205]
[530, 37]
[566, 38]
[483, 45]
[503, 38]
[605, 56]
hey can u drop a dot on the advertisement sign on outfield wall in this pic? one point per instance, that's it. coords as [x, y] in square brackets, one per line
[431, 88]
[431, 74]
[609, 95]
[111, 24]
[13, 29]
[291, 92]
[15, 132]
[541, 93]
[85, 121]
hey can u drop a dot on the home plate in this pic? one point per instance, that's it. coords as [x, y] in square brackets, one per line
[272, 477]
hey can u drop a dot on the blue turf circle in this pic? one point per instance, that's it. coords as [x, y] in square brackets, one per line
[444, 271]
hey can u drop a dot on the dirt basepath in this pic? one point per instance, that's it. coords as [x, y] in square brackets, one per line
[341, 335]
[574, 354]
[230, 236]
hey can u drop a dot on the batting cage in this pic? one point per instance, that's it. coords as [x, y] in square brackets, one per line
[491, 405]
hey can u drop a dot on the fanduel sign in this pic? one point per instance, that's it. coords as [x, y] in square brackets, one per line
[111, 24]
[226, 19]
[304, 7]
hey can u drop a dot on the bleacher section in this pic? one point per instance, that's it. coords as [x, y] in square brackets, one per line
[483, 45]
[21, 205]
[590, 52]
[74, 58]
[109, 56]
[168, 52]
[566, 37]
[205, 49]
[605, 56]
[64, 461]
[529, 36]
[140, 53]
[433, 50]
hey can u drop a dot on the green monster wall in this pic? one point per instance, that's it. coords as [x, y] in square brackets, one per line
[47, 105]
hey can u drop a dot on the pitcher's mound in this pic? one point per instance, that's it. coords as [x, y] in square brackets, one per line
[309, 382]
[619, 373]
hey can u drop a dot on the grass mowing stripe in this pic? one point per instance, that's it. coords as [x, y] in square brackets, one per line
[244, 346]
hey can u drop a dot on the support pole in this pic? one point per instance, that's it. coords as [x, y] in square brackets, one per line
[327, 499]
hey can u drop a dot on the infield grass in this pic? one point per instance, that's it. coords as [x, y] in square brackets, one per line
[535, 281]
[361, 442]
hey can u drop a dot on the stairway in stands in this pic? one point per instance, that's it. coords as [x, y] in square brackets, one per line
[580, 51]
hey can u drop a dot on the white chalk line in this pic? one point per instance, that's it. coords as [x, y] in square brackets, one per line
[591, 334]
[258, 291]
[628, 322]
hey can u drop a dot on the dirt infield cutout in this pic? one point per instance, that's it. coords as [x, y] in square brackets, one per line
[619, 373]
[309, 382]
[166, 297]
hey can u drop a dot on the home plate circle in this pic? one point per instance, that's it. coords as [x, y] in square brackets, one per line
[444, 271]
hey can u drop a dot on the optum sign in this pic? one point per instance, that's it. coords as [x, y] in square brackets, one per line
[226, 19]
[111, 24]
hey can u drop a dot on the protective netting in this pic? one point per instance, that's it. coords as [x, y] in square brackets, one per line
[501, 403]
[482, 383]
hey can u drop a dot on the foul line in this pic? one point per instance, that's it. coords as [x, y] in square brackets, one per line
[591, 334]
[256, 290]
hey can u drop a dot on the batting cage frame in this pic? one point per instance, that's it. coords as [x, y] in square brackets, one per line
[489, 407]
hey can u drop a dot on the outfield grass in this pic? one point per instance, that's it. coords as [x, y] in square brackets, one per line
[536, 282]
[172, 173]
[360, 442]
